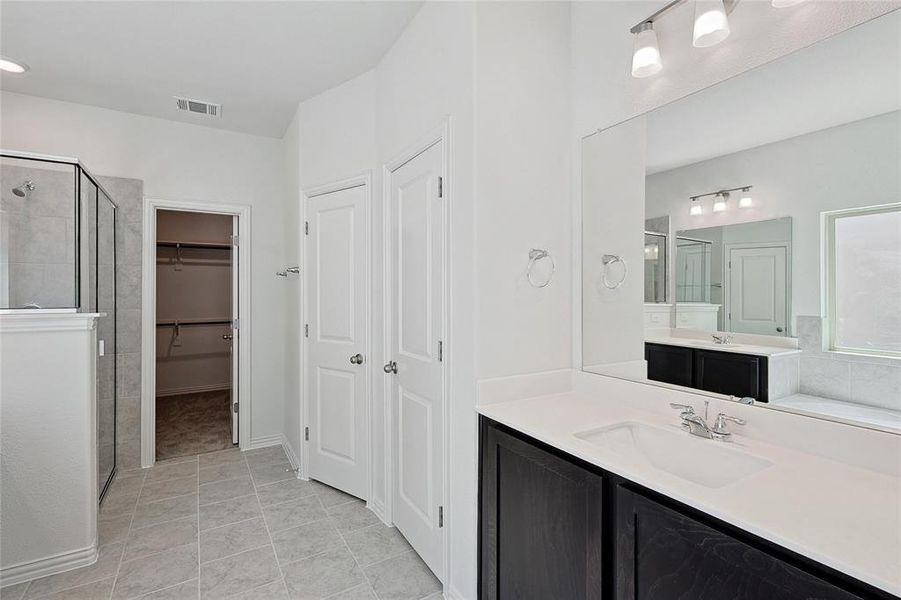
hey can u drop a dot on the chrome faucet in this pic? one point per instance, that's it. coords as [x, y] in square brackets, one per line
[724, 338]
[697, 425]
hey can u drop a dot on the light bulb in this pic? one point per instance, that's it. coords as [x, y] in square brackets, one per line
[695, 208]
[719, 204]
[646, 54]
[746, 200]
[711, 23]
[785, 3]
[11, 66]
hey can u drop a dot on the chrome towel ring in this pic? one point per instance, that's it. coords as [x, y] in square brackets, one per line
[607, 260]
[536, 254]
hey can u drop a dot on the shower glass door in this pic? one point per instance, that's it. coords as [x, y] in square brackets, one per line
[106, 335]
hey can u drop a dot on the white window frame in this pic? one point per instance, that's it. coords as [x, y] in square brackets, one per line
[827, 221]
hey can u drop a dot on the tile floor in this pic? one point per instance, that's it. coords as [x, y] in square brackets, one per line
[237, 526]
[190, 424]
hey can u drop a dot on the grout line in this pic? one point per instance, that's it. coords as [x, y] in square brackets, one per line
[268, 532]
[353, 556]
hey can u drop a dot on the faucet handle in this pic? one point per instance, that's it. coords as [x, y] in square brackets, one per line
[685, 408]
[719, 426]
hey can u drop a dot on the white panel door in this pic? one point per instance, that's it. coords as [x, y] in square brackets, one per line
[417, 316]
[236, 321]
[336, 364]
[757, 286]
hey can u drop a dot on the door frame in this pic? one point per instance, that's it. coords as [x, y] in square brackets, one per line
[727, 279]
[148, 317]
[439, 135]
[364, 180]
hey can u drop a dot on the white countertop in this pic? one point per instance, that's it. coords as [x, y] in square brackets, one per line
[737, 348]
[843, 516]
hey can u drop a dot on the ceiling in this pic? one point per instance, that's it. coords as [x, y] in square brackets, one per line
[259, 59]
[851, 76]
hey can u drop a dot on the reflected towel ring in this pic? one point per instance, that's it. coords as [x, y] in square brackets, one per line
[609, 259]
[536, 254]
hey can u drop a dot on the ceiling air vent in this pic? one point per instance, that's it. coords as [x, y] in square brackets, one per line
[199, 107]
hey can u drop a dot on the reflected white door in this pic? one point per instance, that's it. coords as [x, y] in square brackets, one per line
[417, 316]
[757, 285]
[233, 346]
[337, 365]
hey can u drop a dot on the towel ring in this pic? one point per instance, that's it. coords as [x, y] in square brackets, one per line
[536, 254]
[609, 259]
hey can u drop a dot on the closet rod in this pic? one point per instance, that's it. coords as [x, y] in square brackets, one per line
[209, 245]
[187, 323]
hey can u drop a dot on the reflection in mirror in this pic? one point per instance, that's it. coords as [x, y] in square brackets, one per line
[765, 211]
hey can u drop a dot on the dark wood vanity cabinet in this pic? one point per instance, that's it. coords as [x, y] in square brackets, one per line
[552, 527]
[540, 522]
[727, 373]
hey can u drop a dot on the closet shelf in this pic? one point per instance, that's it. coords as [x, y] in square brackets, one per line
[207, 245]
[188, 322]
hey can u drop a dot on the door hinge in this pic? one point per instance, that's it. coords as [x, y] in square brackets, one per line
[235, 407]
[306, 228]
[236, 324]
[235, 240]
[440, 516]
[441, 187]
[440, 351]
[306, 330]
[306, 434]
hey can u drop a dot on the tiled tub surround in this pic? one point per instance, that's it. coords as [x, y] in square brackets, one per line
[239, 526]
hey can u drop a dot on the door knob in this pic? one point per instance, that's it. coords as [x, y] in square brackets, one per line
[226, 336]
[356, 359]
[390, 367]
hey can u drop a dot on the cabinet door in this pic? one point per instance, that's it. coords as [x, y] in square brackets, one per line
[669, 364]
[731, 374]
[540, 523]
[662, 554]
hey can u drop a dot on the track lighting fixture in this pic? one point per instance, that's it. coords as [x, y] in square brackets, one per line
[721, 200]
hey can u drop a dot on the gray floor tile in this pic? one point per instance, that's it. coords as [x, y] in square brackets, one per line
[156, 572]
[375, 543]
[270, 591]
[176, 459]
[119, 502]
[361, 592]
[272, 472]
[13, 592]
[229, 470]
[302, 542]
[98, 590]
[182, 591]
[403, 577]
[238, 573]
[105, 567]
[329, 496]
[322, 575]
[221, 457]
[262, 456]
[112, 529]
[156, 538]
[170, 488]
[225, 490]
[165, 510]
[231, 539]
[166, 471]
[293, 513]
[351, 516]
[282, 491]
[229, 511]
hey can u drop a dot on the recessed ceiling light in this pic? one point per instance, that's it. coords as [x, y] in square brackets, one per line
[11, 66]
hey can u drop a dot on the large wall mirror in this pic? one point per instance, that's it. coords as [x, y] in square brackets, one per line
[745, 241]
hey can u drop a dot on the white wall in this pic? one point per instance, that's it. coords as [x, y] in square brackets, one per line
[182, 162]
[841, 167]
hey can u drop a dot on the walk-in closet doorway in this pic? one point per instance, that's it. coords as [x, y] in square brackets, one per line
[196, 331]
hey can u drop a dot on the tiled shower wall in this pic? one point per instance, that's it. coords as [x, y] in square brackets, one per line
[128, 194]
[869, 380]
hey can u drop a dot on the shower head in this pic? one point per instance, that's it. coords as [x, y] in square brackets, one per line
[23, 190]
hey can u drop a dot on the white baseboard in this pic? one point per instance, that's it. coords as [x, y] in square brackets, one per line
[452, 593]
[292, 456]
[51, 565]
[379, 509]
[265, 441]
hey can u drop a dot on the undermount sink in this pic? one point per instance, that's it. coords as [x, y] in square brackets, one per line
[704, 462]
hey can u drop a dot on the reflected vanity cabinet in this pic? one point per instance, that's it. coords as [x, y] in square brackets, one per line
[727, 373]
[554, 527]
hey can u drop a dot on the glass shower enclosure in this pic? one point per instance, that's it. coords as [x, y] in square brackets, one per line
[58, 253]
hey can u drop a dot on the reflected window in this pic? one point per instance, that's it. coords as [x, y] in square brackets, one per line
[863, 280]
